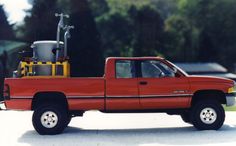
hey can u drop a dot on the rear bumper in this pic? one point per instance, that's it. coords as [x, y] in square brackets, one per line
[230, 99]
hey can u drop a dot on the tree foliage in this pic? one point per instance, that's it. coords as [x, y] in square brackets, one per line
[179, 30]
[130, 28]
[85, 46]
[215, 22]
[6, 32]
[41, 23]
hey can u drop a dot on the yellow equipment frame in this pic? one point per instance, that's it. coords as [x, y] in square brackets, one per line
[26, 69]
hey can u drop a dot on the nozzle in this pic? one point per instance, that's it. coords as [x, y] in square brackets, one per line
[62, 15]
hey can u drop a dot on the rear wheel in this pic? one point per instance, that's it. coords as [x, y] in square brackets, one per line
[49, 119]
[208, 115]
[68, 120]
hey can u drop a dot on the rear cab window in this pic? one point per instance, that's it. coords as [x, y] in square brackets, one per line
[125, 69]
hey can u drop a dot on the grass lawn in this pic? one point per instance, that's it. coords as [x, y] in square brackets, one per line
[231, 108]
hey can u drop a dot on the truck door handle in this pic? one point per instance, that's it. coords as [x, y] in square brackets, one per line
[143, 83]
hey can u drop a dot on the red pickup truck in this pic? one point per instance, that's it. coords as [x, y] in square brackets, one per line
[130, 84]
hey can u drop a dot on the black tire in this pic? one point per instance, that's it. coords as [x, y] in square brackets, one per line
[186, 117]
[49, 113]
[68, 120]
[207, 115]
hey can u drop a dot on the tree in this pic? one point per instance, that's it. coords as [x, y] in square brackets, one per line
[130, 28]
[98, 7]
[41, 23]
[116, 34]
[148, 32]
[215, 21]
[6, 32]
[86, 56]
[166, 8]
[3, 72]
[180, 39]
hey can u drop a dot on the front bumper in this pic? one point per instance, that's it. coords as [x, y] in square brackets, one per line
[230, 99]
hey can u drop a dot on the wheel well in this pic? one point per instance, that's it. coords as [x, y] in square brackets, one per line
[49, 97]
[209, 94]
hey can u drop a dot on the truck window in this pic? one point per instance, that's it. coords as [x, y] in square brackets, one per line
[155, 69]
[125, 69]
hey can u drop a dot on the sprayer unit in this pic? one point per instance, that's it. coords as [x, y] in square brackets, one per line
[49, 56]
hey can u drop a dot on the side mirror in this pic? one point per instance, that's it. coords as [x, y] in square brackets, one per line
[162, 74]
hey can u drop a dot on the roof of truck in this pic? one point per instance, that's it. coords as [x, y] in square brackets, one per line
[135, 58]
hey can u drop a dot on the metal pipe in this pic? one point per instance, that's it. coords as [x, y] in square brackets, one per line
[59, 26]
[66, 36]
[65, 44]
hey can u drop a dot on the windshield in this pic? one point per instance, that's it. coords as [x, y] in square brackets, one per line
[179, 69]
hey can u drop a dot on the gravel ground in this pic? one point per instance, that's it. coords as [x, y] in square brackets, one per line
[99, 129]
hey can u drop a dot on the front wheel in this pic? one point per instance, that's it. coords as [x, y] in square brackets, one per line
[207, 115]
[49, 119]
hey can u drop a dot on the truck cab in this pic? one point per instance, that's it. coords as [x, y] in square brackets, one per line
[145, 83]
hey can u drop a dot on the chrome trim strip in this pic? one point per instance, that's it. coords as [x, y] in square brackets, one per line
[167, 95]
[84, 97]
[30, 97]
[116, 96]
[123, 96]
[151, 96]
[21, 97]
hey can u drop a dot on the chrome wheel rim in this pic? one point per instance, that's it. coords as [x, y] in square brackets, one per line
[49, 119]
[208, 115]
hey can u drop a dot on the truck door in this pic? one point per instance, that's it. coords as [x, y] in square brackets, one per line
[159, 88]
[122, 90]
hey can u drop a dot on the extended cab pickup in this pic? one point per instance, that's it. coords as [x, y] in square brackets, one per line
[134, 84]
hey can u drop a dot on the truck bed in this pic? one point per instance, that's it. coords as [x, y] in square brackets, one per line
[81, 93]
